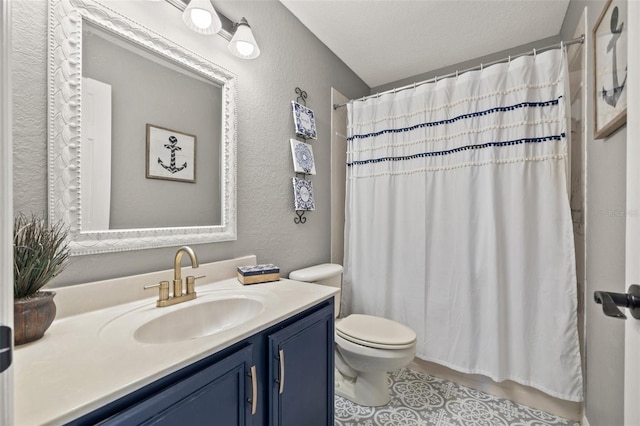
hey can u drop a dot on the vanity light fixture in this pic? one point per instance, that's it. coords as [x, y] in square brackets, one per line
[201, 17]
[243, 44]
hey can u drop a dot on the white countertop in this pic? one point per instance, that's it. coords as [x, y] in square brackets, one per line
[89, 359]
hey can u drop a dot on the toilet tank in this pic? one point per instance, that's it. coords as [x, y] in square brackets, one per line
[329, 274]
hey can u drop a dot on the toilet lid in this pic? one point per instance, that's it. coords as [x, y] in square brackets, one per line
[375, 332]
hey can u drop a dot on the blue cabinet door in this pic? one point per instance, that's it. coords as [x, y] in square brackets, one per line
[218, 395]
[301, 372]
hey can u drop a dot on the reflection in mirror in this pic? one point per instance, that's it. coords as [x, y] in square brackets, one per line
[124, 89]
[142, 144]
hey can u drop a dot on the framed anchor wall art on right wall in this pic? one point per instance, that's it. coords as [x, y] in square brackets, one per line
[171, 155]
[610, 65]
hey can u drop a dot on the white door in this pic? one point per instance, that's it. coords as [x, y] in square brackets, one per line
[632, 326]
[95, 161]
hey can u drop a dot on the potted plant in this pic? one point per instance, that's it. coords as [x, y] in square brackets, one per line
[40, 252]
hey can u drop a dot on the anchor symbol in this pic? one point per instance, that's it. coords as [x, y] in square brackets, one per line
[173, 147]
[612, 96]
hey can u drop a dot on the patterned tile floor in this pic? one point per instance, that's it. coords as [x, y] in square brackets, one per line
[418, 399]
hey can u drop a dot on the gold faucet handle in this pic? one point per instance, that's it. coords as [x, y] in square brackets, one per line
[191, 283]
[164, 289]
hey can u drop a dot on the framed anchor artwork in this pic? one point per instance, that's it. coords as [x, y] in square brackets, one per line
[171, 155]
[610, 57]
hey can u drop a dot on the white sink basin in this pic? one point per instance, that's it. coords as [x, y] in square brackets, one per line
[198, 320]
[211, 313]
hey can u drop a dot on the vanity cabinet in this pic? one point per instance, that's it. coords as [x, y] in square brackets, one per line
[301, 372]
[291, 384]
[215, 395]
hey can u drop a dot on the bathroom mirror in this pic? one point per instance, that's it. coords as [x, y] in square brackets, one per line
[142, 135]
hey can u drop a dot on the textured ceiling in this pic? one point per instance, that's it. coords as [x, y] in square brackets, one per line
[386, 41]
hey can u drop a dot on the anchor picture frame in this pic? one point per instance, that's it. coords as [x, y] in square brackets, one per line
[610, 69]
[171, 154]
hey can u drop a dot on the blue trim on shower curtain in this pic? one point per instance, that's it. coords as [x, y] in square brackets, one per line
[458, 118]
[461, 148]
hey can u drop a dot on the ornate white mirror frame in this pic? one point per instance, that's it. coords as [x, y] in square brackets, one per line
[65, 127]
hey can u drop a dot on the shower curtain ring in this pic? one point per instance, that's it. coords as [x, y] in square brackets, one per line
[509, 58]
[456, 73]
[481, 66]
[534, 53]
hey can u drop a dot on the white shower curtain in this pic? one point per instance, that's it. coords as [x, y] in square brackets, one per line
[458, 221]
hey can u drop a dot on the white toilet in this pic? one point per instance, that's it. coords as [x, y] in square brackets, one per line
[367, 347]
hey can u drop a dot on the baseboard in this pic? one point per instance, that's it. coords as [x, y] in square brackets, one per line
[512, 391]
[584, 421]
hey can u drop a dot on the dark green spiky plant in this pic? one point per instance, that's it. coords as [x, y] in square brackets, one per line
[40, 252]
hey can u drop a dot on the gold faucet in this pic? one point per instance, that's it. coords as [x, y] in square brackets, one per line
[178, 296]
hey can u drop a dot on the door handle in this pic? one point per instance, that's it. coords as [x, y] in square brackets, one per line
[610, 302]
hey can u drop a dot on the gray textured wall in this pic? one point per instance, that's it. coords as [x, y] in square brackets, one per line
[291, 56]
[605, 248]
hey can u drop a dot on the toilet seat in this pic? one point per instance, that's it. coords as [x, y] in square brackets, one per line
[375, 332]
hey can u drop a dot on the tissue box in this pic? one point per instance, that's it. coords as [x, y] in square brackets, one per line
[258, 274]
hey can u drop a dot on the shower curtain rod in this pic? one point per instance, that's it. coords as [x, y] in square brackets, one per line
[478, 67]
